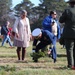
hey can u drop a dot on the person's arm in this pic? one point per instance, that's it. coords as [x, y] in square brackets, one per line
[46, 22]
[63, 17]
[49, 36]
[15, 25]
[29, 29]
[34, 45]
[15, 29]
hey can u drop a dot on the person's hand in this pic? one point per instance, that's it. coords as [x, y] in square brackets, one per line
[49, 51]
[13, 33]
[17, 35]
[33, 51]
[30, 37]
[52, 23]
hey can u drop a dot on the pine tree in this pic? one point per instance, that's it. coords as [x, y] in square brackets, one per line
[24, 5]
[5, 6]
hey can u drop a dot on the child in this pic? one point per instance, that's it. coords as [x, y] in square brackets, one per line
[5, 32]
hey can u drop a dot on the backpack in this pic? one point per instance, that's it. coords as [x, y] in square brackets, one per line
[4, 30]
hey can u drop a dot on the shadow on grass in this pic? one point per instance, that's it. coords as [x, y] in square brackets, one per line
[21, 61]
[50, 67]
[62, 68]
[61, 55]
[7, 47]
[3, 47]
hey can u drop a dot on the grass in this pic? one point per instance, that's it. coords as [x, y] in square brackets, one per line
[45, 66]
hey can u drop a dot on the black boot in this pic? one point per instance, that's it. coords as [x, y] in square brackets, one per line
[36, 60]
[55, 60]
[18, 52]
[23, 53]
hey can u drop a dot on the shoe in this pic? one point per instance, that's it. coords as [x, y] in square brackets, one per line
[18, 61]
[11, 47]
[32, 58]
[73, 67]
[55, 60]
[35, 60]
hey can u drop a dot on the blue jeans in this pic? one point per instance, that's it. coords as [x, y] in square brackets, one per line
[6, 38]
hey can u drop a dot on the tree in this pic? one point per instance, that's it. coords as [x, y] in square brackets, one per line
[36, 14]
[5, 6]
[24, 5]
[45, 7]
[48, 5]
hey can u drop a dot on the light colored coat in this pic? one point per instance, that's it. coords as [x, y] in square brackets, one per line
[23, 29]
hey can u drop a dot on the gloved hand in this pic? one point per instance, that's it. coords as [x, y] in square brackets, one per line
[49, 51]
[33, 51]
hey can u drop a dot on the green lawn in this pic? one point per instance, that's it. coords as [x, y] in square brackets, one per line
[10, 66]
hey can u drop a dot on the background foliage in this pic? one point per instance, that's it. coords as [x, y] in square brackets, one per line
[5, 8]
[36, 14]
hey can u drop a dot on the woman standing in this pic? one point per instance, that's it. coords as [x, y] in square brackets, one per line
[22, 34]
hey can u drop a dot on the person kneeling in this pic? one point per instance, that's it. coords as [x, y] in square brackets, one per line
[42, 38]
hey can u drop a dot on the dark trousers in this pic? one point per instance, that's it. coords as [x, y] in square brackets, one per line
[70, 50]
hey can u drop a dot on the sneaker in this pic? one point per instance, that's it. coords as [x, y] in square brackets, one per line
[11, 47]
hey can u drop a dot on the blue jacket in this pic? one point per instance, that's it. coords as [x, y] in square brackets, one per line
[46, 24]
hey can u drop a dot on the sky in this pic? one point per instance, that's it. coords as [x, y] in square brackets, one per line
[15, 2]
[36, 2]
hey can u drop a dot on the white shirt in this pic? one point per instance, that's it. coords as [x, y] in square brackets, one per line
[54, 28]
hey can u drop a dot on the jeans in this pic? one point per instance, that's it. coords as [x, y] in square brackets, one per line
[6, 37]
